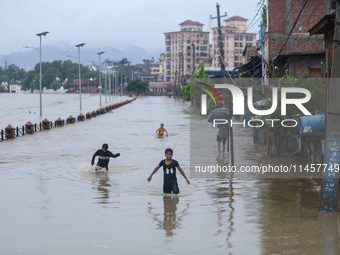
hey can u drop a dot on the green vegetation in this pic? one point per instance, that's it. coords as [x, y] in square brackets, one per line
[137, 86]
[195, 77]
[54, 73]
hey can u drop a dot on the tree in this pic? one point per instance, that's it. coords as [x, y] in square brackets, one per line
[137, 86]
[51, 74]
[193, 79]
[93, 75]
[122, 71]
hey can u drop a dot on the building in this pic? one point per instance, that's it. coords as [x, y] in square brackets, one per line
[157, 67]
[289, 49]
[87, 86]
[16, 85]
[235, 38]
[184, 50]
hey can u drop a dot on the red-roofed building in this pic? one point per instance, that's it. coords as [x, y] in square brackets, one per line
[184, 50]
[235, 39]
[87, 86]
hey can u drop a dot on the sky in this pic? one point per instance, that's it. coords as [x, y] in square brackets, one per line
[100, 23]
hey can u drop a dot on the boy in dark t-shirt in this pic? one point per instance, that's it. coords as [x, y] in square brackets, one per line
[169, 169]
[104, 156]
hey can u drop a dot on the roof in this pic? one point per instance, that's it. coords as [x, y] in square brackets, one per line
[236, 18]
[190, 22]
[323, 26]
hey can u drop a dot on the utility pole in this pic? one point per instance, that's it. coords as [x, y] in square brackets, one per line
[330, 181]
[183, 77]
[223, 76]
[193, 58]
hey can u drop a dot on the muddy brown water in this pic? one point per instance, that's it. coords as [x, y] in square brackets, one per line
[53, 202]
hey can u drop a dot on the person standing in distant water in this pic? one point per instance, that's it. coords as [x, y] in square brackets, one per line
[222, 136]
[169, 169]
[104, 157]
[160, 131]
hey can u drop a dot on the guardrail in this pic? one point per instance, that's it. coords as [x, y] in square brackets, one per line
[10, 133]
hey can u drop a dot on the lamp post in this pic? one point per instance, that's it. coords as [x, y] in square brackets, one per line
[100, 79]
[78, 46]
[106, 80]
[40, 82]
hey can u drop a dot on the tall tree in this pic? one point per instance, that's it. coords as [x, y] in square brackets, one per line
[137, 86]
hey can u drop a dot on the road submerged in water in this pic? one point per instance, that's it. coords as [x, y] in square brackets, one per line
[53, 202]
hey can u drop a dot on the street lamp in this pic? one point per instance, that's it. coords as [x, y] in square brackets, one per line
[100, 78]
[78, 46]
[106, 71]
[40, 34]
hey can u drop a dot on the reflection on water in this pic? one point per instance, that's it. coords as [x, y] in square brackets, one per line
[171, 219]
[103, 186]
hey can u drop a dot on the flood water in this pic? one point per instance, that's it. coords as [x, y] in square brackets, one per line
[53, 202]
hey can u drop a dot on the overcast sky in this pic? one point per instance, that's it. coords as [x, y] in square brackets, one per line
[100, 23]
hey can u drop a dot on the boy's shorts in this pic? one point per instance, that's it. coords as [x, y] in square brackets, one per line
[169, 186]
[219, 139]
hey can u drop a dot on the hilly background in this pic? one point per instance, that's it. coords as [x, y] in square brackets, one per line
[28, 59]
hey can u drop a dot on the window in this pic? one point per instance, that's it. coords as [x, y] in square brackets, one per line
[203, 48]
[236, 51]
[205, 42]
[168, 37]
[251, 38]
[236, 57]
[236, 37]
[168, 43]
[241, 58]
[247, 38]
[236, 44]
[198, 41]
[188, 53]
[235, 64]
[188, 47]
[241, 37]
[241, 44]
[188, 60]
[167, 66]
[188, 66]
[251, 54]
[167, 48]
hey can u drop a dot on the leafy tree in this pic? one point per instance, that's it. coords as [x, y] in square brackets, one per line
[122, 71]
[5, 78]
[93, 75]
[195, 77]
[51, 74]
[137, 86]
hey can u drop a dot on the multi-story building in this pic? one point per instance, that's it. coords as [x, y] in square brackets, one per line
[287, 45]
[157, 67]
[184, 50]
[235, 38]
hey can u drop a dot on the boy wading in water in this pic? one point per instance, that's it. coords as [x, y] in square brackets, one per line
[104, 157]
[169, 169]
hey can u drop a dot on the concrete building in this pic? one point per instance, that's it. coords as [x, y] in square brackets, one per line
[184, 50]
[157, 67]
[293, 51]
[235, 38]
[16, 85]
